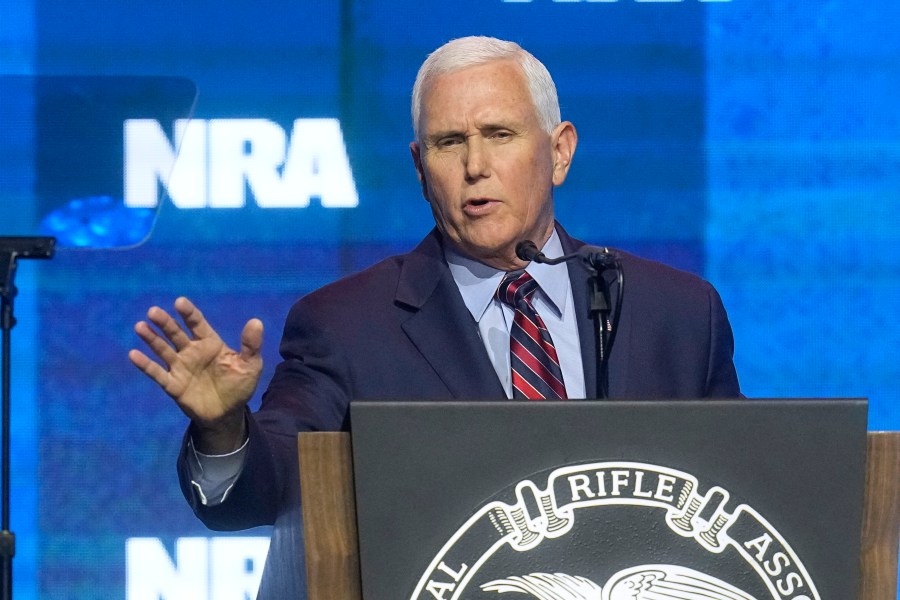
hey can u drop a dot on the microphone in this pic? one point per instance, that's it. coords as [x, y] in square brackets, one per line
[599, 258]
[527, 250]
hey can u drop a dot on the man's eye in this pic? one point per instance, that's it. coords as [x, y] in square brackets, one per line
[501, 135]
[447, 142]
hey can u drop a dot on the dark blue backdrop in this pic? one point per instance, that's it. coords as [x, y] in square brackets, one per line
[755, 143]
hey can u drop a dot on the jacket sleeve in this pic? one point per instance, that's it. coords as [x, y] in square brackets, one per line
[308, 392]
[721, 379]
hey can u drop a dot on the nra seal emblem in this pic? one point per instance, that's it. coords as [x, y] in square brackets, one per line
[615, 531]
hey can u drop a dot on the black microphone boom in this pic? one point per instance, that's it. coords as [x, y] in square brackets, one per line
[598, 258]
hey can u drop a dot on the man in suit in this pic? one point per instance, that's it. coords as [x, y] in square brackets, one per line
[489, 148]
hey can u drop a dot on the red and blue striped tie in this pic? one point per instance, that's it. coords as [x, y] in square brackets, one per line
[535, 366]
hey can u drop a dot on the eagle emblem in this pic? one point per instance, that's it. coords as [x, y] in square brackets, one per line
[645, 582]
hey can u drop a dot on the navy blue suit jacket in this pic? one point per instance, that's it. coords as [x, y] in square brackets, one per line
[400, 330]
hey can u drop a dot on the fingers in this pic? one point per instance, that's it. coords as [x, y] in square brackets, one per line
[168, 326]
[156, 343]
[251, 339]
[173, 341]
[194, 319]
[195, 367]
[150, 368]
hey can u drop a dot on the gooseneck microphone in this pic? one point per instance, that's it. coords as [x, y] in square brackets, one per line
[597, 261]
[599, 258]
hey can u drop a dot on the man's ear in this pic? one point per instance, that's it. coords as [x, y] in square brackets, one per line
[420, 168]
[564, 139]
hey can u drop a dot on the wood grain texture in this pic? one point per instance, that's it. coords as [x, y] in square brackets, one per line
[881, 517]
[329, 516]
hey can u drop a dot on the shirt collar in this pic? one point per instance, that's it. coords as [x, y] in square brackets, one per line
[477, 282]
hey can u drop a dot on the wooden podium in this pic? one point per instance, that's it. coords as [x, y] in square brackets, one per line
[881, 517]
[329, 516]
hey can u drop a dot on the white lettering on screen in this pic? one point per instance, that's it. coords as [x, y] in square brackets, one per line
[211, 163]
[220, 568]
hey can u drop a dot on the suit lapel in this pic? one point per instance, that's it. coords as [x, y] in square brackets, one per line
[441, 327]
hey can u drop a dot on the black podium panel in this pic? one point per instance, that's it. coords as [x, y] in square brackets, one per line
[736, 500]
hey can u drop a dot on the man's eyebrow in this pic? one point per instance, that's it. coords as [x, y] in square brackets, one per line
[492, 126]
[495, 126]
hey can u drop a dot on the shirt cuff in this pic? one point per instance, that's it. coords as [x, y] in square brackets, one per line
[213, 475]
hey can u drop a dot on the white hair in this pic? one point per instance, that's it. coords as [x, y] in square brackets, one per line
[472, 51]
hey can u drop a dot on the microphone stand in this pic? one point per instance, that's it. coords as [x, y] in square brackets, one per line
[11, 249]
[604, 329]
[597, 261]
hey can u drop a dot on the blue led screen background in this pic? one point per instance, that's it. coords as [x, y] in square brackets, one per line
[756, 143]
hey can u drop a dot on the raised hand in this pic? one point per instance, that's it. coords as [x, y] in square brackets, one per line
[209, 381]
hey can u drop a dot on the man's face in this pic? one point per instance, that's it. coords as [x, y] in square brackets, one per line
[486, 165]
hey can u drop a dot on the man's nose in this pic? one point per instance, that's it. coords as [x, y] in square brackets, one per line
[477, 159]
